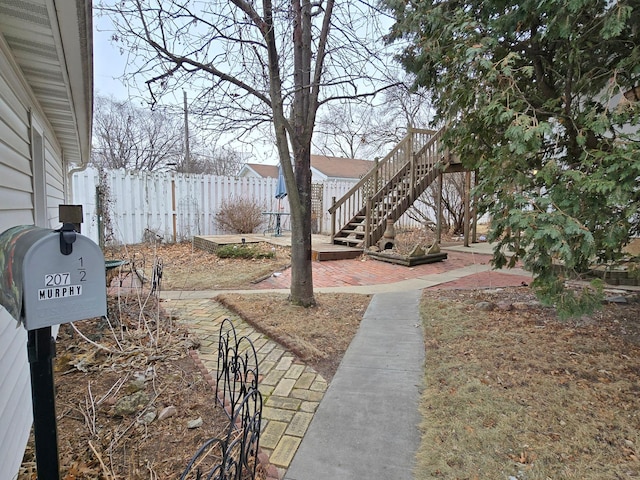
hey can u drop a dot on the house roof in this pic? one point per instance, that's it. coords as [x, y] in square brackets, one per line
[337, 167]
[51, 42]
[331, 167]
[265, 171]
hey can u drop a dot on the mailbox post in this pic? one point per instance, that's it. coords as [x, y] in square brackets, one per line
[49, 277]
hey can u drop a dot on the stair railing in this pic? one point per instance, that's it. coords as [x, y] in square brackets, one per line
[354, 201]
[401, 175]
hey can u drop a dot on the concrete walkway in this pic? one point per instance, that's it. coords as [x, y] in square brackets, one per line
[366, 425]
[363, 425]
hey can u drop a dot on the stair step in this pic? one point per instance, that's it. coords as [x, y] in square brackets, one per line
[397, 192]
[345, 232]
[349, 242]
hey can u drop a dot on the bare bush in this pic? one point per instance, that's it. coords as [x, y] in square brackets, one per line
[239, 215]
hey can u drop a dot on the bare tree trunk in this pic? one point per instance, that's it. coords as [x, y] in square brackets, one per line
[301, 266]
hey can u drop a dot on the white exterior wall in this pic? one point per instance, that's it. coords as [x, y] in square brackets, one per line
[17, 208]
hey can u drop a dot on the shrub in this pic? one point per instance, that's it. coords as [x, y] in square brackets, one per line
[239, 215]
[242, 251]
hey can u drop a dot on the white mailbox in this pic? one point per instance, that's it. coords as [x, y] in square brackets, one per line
[51, 276]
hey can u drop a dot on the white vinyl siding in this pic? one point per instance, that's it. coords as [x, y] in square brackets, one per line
[15, 395]
[16, 201]
[17, 207]
[54, 186]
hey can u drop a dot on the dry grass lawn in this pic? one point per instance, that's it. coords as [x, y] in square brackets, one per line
[319, 335]
[519, 395]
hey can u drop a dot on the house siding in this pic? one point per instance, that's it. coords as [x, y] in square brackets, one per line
[17, 208]
[16, 203]
[54, 185]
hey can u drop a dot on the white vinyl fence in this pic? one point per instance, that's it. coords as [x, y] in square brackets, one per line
[178, 206]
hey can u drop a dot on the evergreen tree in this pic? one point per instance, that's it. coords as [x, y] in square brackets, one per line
[542, 98]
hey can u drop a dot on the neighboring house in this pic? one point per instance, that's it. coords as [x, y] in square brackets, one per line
[45, 125]
[336, 169]
[258, 170]
[323, 169]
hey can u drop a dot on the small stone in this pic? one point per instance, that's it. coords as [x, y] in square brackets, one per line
[485, 306]
[147, 417]
[504, 306]
[134, 386]
[167, 412]
[130, 404]
[197, 423]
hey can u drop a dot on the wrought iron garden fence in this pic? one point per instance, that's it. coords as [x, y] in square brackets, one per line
[233, 457]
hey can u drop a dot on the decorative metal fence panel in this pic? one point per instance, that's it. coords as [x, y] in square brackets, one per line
[235, 456]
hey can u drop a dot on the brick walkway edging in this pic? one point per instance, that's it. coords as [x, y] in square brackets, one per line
[270, 470]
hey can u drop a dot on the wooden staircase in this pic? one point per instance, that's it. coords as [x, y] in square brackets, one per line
[359, 218]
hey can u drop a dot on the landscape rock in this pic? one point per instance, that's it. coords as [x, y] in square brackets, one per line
[167, 412]
[616, 299]
[504, 306]
[197, 423]
[130, 404]
[147, 417]
[485, 306]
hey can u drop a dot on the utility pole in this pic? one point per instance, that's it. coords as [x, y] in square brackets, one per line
[187, 153]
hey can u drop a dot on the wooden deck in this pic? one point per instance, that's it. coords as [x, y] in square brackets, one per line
[321, 247]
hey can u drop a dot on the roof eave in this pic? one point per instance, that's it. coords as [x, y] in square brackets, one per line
[75, 34]
[51, 43]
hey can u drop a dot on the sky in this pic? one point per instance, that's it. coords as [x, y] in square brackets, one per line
[109, 67]
[108, 63]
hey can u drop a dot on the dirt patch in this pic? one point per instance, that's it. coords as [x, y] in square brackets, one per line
[187, 268]
[113, 389]
[319, 335]
[511, 392]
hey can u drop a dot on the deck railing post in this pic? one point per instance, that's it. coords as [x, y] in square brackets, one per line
[367, 224]
[413, 174]
[333, 219]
